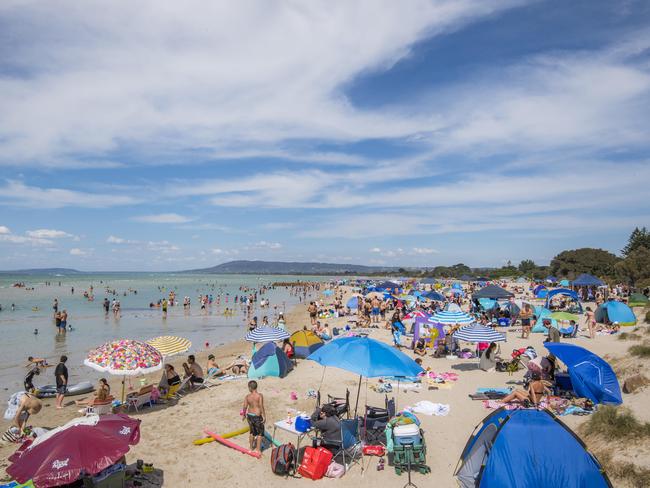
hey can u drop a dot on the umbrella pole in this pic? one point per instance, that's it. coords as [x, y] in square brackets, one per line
[123, 381]
[356, 406]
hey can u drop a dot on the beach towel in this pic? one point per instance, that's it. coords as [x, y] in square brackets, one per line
[496, 390]
[429, 408]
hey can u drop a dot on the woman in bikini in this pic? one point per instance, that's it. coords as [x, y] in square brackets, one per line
[590, 319]
[536, 391]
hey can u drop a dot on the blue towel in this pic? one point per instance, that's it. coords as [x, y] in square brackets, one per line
[496, 390]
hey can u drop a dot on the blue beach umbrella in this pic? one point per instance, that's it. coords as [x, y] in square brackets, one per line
[352, 303]
[433, 295]
[365, 357]
[478, 333]
[591, 376]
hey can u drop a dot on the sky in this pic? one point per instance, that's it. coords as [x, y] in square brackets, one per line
[178, 135]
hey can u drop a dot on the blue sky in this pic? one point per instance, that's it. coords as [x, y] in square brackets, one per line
[182, 135]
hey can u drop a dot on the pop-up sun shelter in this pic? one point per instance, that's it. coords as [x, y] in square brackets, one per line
[492, 291]
[565, 292]
[540, 291]
[304, 343]
[591, 376]
[269, 360]
[527, 448]
[613, 311]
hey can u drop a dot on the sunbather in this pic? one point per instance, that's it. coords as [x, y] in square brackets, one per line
[193, 370]
[102, 395]
[536, 392]
[238, 366]
[212, 367]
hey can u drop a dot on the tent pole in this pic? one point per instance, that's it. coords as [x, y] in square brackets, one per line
[356, 406]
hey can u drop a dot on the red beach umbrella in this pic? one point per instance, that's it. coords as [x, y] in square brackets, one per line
[89, 445]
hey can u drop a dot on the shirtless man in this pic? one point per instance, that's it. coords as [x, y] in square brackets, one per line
[28, 405]
[253, 411]
[313, 312]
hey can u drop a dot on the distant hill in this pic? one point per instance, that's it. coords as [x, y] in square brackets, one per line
[42, 271]
[278, 267]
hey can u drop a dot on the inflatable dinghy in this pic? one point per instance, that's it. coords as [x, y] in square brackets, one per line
[49, 391]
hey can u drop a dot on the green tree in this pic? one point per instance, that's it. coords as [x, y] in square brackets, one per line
[635, 268]
[638, 238]
[597, 262]
[527, 267]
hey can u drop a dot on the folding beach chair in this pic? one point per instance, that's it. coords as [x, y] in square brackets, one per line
[349, 450]
[341, 405]
[373, 423]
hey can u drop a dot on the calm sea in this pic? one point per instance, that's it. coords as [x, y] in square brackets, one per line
[91, 327]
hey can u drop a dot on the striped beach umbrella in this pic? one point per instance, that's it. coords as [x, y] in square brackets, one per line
[170, 345]
[267, 334]
[478, 333]
[448, 317]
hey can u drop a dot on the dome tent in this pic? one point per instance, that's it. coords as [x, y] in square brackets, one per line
[566, 292]
[269, 360]
[527, 447]
[613, 311]
[304, 342]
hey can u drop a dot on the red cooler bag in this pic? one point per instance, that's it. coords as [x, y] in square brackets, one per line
[315, 462]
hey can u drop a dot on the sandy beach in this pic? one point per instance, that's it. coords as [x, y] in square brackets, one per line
[168, 430]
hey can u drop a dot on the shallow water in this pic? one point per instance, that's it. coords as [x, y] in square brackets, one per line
[91, 327]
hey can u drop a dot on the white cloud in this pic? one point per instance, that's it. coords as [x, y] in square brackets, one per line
[162, 246]
[120, 240]
[164, 218]
[4, 229]
[424, 250]
[169, 93]
[75, 251]
[375, 250]
[17, 193]
[266, 245]
[48, 234]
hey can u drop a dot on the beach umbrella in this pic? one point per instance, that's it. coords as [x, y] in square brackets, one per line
[125, 357]
[451, 318]
[170, 345]
[478, 333]
[564, 316]
[328, 293]
[267, 334]
[352, 303]
[591, 376]
[433, 295]
[365, 357]
[87, 444]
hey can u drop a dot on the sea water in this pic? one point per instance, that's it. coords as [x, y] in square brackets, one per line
[91, 327]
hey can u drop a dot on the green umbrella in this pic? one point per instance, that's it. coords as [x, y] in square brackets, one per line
[564, 316]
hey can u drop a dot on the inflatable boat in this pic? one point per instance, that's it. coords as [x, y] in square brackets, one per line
[49, 391]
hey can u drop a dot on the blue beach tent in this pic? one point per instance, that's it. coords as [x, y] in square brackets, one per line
[527, 448]
[587, 280]
[269, 360]
[566, 292]
[352, 303]
[540, 291]
[591, 376]
[613, 311]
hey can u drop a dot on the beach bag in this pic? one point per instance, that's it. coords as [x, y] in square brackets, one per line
[315, 462]
[335, 470]
[283, 460]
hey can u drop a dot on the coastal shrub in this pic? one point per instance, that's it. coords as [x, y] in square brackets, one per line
[626, 472]
[640, 350]
[628, 336]
[615, 423]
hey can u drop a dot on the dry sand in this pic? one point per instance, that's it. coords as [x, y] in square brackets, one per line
[168, 431]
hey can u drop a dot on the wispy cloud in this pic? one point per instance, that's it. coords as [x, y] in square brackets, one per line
[164, 218]
[17, 193]
[49, 234]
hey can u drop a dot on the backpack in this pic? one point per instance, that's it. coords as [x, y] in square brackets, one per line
[283, 460]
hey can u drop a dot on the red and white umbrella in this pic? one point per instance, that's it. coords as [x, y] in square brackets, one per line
[88, 444]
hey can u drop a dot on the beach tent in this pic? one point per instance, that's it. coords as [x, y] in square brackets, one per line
[550, 279]
[540, 291]
[457, 286]
[487, 303]
[492, 291]
[638, 300]
[613, 311]
[566, 292]
[433, 295]
[526, 448]
[453, 307]
[466, 278]
[387, 285]
[521, 280]
[269, 360]
[352, 303]
[543, 314]
[587, 280]
[304, 343]
[565, 283]
[591, 376]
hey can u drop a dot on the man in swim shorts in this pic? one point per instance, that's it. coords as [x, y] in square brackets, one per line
[253, 411]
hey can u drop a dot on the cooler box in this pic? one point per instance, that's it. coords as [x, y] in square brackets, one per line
[503, 322]
[407, 434]
[315, 463]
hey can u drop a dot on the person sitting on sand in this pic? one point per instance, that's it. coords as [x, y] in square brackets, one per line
[325, 333]
[193, 370]
[102, 395]
[212, 367]
[537, 389]
[489, 358]
[288, 348]
[420, 348]
[253, 411]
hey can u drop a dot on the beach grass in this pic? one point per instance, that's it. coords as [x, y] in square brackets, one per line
[628, 336]
[615, 423]
[640, 350]
[627, 473]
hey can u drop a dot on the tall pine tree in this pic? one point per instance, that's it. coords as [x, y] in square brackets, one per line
[638, 238]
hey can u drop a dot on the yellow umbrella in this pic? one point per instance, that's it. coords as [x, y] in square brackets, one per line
[170, 345]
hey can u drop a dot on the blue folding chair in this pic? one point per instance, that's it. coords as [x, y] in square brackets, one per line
[350, 448]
